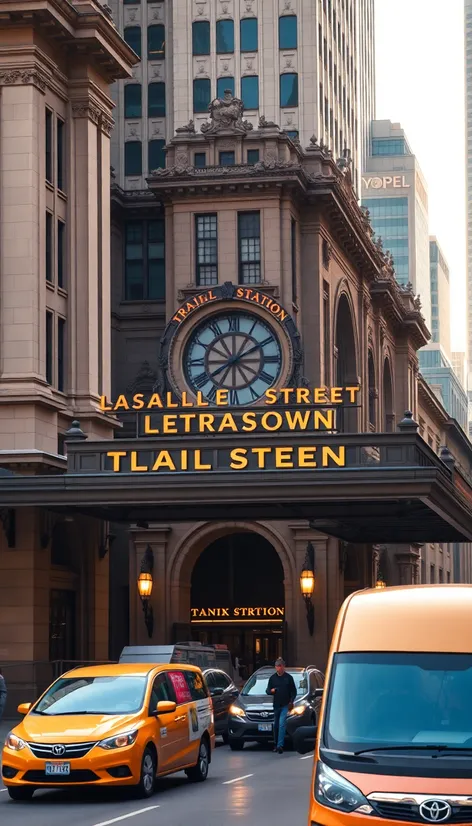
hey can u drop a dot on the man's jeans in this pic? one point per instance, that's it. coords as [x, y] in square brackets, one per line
[280, 718]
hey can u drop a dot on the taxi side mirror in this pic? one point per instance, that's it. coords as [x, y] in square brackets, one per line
[23, 708]
[304, 739]
[165, 707]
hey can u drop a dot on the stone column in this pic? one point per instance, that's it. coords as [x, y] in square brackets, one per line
[157, 537]
[312, 649]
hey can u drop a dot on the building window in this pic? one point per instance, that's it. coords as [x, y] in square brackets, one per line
[49, 247]
[49, 146]
[372, 392]
[288, 32]
[156, 42]
[249, 242]
[133, 158]
[293, 252]
[201, 37]
[250, 92]
[225, 36]
[133, 108]
[326, 334]
[156, 155]
[61, 252]
[386, 146]
[223, 84]
[293, 134]
[61, 327]
[448, 576]
[145, 260]
[132, 36]
[432, 573]
[200, 160]
[226, 158]
[289, 89]
[49, 345]
[131, 2]
[60, 155]
[249, 34]
[201, 94]
[157, 100]
[252, 156]
[207, 250]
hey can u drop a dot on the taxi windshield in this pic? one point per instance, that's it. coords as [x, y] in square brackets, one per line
[93, 695]
[390, 700]
[257, 684]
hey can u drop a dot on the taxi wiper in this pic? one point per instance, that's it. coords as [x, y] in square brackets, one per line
[65, 713]
[413, 747]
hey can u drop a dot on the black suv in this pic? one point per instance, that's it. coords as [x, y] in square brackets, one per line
[251, 716]
[223, 693]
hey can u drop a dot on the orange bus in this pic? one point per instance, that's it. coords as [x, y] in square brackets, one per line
[394, 740]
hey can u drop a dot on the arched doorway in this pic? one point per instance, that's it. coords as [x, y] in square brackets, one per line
[346, 362]
[237, 599]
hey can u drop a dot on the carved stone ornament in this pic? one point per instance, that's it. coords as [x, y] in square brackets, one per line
[145, 378]
[267, 124]
[87, 110]
[10, 77]
[106, 124]
[189, 129]
[226, 114]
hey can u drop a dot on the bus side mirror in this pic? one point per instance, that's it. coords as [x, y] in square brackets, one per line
[304, 739]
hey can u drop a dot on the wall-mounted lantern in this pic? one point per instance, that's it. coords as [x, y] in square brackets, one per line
[307, 586]
[145, 583]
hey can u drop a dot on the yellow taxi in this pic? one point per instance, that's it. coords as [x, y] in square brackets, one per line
[112, 725]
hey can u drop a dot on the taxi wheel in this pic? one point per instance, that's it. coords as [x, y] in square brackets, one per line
[145, 787]
[199, 772]
[20, 792]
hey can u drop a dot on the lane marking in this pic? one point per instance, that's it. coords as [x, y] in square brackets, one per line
[3, 790]
[226, 783]
[125, 817]
[307, 757]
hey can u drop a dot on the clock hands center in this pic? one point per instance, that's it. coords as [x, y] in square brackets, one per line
[232, 361]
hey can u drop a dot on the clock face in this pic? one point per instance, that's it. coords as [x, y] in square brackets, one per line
[234, 351]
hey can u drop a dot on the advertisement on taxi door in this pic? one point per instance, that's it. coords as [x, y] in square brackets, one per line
[199, 718]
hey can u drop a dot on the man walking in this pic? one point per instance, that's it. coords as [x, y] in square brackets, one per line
[282, 687]
[3, 694]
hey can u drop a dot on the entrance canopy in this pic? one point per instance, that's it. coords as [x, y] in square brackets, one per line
[373, 488]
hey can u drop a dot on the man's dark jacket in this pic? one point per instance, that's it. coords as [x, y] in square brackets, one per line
[285, 690]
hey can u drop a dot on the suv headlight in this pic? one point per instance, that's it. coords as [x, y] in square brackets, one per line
[119, 741]
[335, 792]
[237, 711]
[297, 711]
[13, 742]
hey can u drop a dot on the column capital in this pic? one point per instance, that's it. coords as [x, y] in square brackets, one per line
[24, 76]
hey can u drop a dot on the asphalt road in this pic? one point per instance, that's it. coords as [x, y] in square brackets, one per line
[254, 786]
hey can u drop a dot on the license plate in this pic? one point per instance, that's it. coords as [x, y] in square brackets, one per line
[265, 726]
[57, 768]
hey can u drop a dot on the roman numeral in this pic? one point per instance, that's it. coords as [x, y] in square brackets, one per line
[253, 393]
[271, 360]
[215, 329]
[212, 394]
[234, 324]
[199, 362]
[266, 378]
[201, 380]
[233, 397]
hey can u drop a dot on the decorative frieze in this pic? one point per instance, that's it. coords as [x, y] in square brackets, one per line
[155, 13]
[86, 109]
[248, 8]
[25, 77]
[201, 10]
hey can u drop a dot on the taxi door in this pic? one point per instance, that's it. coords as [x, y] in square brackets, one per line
[167, 725]
[183, 752]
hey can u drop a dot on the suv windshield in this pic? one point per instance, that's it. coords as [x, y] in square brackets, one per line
[93, 695]
[257, 684]
[389, 699]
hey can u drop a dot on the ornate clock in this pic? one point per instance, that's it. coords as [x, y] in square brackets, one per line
[231, 338]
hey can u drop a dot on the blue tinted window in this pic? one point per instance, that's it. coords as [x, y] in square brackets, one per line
[225, 36]
[288, 32]
[133, 100]
[133, 158]
[157, 100]
[200, 159]
[252, 156]
[250, 92]
[222, 84]
[293, 134]
[249, 34]
[289, 90]
[156, 155]
[201, 94]
[156, 42]
[201, 37]
[392, 146]
[132, 36]
[226, 158]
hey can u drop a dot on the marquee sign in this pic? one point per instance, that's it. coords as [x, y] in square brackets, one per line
[237, 614]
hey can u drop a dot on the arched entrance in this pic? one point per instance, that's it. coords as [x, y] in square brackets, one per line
[237, 598]
[346, 361]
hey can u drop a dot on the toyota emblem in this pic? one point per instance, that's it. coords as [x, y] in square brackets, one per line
[264, 713]
[435, 811]
[58, 751]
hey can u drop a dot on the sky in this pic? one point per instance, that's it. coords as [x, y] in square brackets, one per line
[420, 84]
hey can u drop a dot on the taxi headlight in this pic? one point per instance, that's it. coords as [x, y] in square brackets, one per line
[297, 711]
[13, 742]
[119, 741]
[237, 711]
[335, 792]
